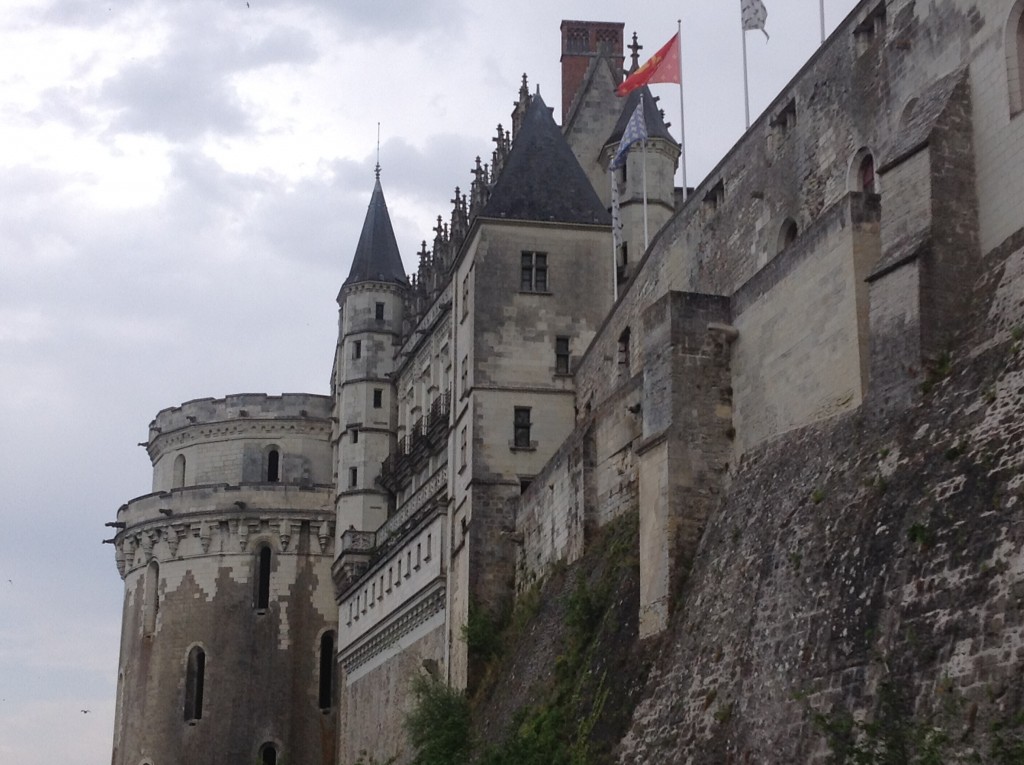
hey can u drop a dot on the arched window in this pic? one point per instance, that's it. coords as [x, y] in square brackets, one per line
[273, 465]
[866, 174]
[787, 235]
[179, 472]
[268, 754]
[862, 176]
[326, 671]
[195, 679]
[1015, 58]
[151, 604]
[263, 560]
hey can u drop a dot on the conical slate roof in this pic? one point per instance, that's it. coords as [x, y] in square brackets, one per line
[652, 115]
[377, 258]
[541, 179]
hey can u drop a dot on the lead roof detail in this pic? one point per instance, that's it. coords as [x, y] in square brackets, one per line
[542, 179]
[377, 258]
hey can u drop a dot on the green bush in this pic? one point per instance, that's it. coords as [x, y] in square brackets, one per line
[439, 724]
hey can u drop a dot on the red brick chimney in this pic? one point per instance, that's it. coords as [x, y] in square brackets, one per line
[582, 41]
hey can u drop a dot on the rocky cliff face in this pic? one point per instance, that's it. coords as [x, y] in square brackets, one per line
[858, 595]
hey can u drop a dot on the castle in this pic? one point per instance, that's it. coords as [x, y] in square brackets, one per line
[301, 557]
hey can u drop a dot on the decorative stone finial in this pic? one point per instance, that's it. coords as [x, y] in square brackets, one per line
[635, 49]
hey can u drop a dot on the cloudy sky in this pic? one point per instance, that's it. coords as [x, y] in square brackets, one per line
[182, 185]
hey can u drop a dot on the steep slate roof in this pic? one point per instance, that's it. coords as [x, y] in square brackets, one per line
[377, 258]
[542, 180]
[652, 114]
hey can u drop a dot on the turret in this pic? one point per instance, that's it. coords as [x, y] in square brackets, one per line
[371, 304]
[651, 164]
[226, 640]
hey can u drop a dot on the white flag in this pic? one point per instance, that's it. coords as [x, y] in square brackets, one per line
[754, 15]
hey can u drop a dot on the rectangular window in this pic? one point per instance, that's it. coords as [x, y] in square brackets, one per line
[465, 376]
[378, 313]
[353, 475]
[418, 555]
[408, 564]
[430, 539]
[561, 355]
[355, 436]
[357, 349]
[378, 398]
[462, 448]
[534, 272]
[521, 427]
[465, 297]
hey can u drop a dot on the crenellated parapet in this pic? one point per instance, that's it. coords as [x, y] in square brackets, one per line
[254, 406]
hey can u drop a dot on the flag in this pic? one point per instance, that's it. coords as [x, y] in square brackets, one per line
[663, 66]
[636, 130]
[754, 15]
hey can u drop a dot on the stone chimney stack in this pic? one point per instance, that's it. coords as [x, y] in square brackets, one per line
[583, 41]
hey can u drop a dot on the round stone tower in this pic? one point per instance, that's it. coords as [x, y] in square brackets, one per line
[229, 627]
[369, 329]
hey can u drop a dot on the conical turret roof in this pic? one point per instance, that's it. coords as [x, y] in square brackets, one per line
[377, 258]
[542, 179]
[652, 116]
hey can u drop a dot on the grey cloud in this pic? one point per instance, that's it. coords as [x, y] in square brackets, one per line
[186, 91]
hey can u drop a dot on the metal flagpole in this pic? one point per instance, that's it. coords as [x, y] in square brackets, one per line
[682, 117]
[646, 238]
[822, 21]
[746, 87]
[615, 219]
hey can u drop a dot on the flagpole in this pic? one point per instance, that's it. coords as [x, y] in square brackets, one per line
[822, 3]
[615, 255]
[746, 86]
[682, 116]
[646, 238]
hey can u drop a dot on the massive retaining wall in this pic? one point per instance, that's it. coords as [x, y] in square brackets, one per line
[861, 588]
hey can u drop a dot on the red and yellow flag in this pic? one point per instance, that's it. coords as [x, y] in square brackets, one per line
[663, 66]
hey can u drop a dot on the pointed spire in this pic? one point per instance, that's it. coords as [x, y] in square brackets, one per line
[634, 55]
[377, 258]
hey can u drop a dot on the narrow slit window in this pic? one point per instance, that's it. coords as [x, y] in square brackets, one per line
[353, 477]
[355, 436]
[378, 398]
[357, 349]
[195, 681]
[179, 471]
[378, 312]
[867, 175]
[152, 604]
[273, 466]
[561, 355]
[521, 427]
[624, 349]
[263, 578]
[326, 671]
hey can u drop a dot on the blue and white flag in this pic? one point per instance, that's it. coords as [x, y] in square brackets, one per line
[636, 130]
